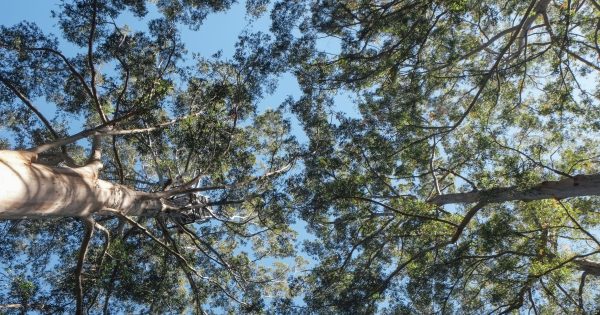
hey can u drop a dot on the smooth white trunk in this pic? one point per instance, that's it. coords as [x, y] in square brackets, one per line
[31, 190]
[578, 186]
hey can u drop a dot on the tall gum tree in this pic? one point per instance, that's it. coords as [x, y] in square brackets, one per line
[465, 178]
[178, 192]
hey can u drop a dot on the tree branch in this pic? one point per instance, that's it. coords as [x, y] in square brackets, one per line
[106, 244]
[187, 273]
[119, 165]
[458, 232]
[580, 291]
[589, 266]
[30, 105]
[489, 73]
[74, 71]
[159, 242]
[104, 130]
[182, 259]
[480, 47]
[577, 186]
[397, 211]
[89, 230]
[120, 171]
[559, 172]
[90, 60]
[466, 219]
[185, 189]
[45, 121]
[581, 228]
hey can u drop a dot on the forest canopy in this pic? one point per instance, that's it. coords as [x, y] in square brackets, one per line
[432, 157]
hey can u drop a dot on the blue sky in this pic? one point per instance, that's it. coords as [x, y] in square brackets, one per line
[219, 32]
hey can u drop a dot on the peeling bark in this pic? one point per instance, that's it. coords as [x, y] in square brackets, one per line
[32, 190]
[577, 186]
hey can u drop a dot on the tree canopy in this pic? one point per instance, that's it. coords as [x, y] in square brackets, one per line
[441, 158]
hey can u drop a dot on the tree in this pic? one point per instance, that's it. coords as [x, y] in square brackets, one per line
[465, 181]
[175, 204]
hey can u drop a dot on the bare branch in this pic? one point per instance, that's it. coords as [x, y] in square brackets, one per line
[106, 244]
[30, 105]
[531, 159]
[74, 71]
[586, 232]
[185, 189]
[589, 266]
[90, 54]
[465, 221]
[182, 260]
[106, 130]
[89, 230]
[577, 186]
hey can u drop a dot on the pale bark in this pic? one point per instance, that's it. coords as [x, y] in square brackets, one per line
[32, 190]
[106, 129]
[577, 186]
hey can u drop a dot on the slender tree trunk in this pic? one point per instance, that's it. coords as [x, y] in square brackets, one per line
[577, 186]
[32, 190]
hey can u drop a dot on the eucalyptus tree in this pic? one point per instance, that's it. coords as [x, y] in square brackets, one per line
[173, 203]
[460, 176]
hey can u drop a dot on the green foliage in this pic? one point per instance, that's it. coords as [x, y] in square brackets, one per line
[223, 137]
[450, 99]
[402, 101]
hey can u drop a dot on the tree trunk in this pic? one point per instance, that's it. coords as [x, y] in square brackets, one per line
[577, 186]
[32, 190]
